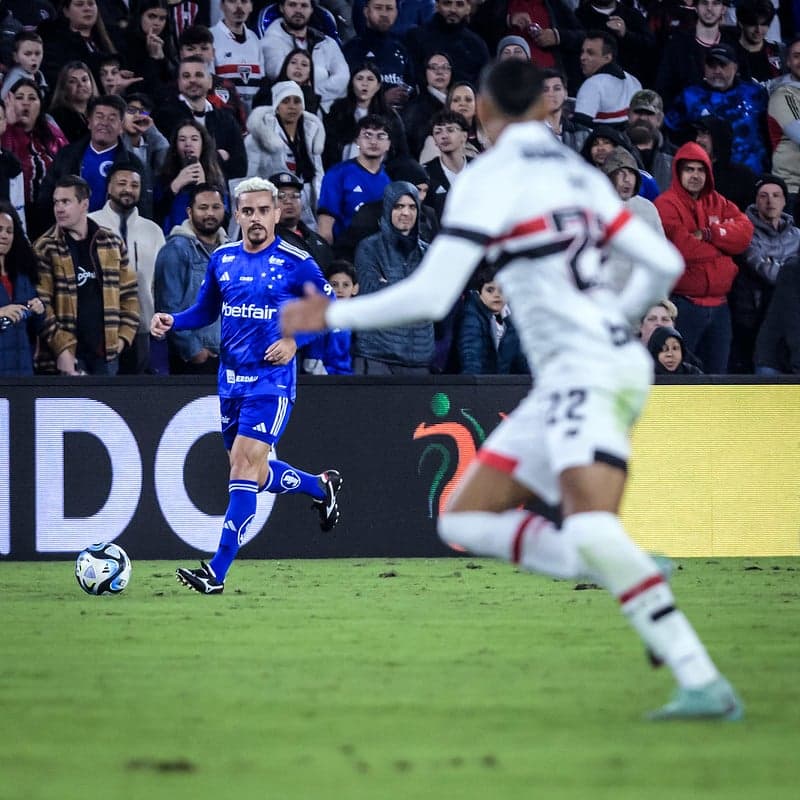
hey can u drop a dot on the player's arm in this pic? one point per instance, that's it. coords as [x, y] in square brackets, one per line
[206, 306]
[310, 273]
[657, 264]
[426, 295]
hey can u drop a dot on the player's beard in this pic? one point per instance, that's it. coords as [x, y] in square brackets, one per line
[256, 235]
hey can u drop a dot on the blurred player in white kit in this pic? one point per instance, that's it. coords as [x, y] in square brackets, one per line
[568, 442]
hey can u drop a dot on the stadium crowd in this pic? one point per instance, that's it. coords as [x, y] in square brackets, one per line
[125, 126]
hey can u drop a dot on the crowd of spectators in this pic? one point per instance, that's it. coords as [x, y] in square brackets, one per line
[125, 127]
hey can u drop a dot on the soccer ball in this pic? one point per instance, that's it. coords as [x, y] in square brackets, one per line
[103, 568]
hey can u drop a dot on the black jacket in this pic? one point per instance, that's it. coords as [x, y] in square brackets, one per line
[220, 124]
[438, 187]
[307, 240]
[467, 51]
[477, 354]
[778, 342]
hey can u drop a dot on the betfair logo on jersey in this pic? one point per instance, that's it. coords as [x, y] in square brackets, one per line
[248, 311]
[276, 260]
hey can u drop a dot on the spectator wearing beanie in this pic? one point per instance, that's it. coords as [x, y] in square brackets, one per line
[513, 47]
[284, 137]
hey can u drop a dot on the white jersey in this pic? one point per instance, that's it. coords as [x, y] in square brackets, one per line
[240, 62]
[542, 215]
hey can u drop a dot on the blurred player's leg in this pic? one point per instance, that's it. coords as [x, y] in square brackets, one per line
[643, 592]
[484, 517]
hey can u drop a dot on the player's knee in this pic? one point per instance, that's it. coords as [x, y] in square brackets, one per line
[447, 527]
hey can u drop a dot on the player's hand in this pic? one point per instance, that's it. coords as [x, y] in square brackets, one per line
[307, 314]
[160, 324]
[281, 352]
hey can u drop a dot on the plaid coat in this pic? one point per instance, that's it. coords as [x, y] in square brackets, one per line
[58, 290]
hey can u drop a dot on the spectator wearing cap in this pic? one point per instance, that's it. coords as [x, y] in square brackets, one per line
[623, 172]
[683, 56]
[291, 227]
[783, 121]
[723, 94]
[92, 156]
[708, 230]
[644, 129]
[605, 95]
[775, 241]
[368, 217]
[628, 25]
[759, 59]
[144, 239]
[284, 137]
[733, 180]
[449, 130]
[513, 47]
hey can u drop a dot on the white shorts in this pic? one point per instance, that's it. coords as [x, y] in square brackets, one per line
[576, 414]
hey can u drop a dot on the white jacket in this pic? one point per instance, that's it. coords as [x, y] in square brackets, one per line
[331, 73]
[266, 148]
[145, 239]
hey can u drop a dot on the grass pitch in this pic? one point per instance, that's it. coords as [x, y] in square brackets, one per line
[382, 680]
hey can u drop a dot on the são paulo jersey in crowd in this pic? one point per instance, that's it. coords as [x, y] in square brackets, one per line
[248, 289]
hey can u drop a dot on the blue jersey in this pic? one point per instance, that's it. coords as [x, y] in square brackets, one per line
[248, 289]
[346, 186]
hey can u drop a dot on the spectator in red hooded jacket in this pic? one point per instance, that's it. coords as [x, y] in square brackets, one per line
[708, 229]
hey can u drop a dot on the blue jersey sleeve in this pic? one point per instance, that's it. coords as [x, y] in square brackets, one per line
[309, 272]
[206, 307]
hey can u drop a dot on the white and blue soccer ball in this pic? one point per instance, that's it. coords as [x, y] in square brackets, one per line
[103, 568]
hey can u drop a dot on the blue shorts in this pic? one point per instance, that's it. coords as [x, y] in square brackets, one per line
[263, 417]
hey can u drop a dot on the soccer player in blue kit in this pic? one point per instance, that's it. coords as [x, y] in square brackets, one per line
[246, 282]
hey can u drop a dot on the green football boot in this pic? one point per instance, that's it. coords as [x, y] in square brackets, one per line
[716, 700]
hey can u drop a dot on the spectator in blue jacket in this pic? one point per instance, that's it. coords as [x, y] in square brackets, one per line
[488, 343]
[722, 93]
[21, 311]
[180, 269]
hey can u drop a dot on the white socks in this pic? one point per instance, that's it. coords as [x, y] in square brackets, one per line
[518, 536]
[592, 545]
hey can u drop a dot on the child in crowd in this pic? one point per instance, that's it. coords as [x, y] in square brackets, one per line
[330, 354]
[28, 53]
[666, 347]
[114, 79]
[487, 342]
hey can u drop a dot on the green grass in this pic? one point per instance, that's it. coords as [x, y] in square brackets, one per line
[376, 680]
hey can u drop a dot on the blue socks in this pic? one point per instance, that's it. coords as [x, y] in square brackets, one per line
[285, 479]
[241, 510]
